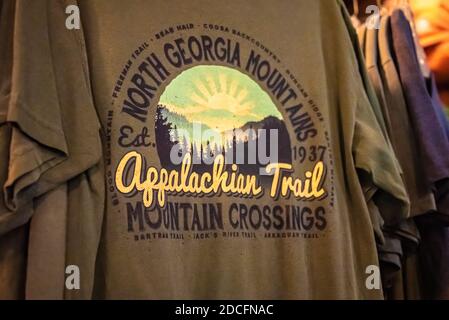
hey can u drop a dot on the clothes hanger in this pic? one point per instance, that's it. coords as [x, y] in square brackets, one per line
[382, 8]
[381, 12]
[355, 5]
[355, 16]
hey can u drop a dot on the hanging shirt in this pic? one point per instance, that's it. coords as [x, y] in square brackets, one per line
[404, 139]
[359, 42]
[433, 145]
[154, 78]
[430, 134]
[54, 132]
[434, 252]
[358, 39]
[397, 227]
[372, 58]
[46, 258]
[403, 283]
[13, 242]
[437, 103]
[179, 221]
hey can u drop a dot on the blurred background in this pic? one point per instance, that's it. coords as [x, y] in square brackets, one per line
[432, 27]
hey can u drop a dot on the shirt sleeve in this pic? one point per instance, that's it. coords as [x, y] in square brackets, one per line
[379, 170]
[55, 133]
[374, 156]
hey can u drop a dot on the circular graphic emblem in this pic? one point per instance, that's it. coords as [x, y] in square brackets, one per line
[208, 111]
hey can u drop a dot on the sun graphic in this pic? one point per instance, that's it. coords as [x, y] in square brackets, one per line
[230, 97]
[218, 97]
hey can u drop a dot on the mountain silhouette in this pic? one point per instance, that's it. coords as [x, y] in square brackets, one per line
[168, 124]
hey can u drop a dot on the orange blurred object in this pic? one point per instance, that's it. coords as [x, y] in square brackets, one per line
[432, 27]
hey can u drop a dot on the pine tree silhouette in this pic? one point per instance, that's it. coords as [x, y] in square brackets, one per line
[164, 142]
[201, 153]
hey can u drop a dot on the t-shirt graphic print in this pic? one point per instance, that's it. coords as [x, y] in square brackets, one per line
[217, 147]
[213, 127]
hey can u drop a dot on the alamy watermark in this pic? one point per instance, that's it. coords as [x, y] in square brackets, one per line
[238, 146]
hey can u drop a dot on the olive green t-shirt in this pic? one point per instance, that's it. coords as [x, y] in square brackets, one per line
[207, 230]
[13, 242]
[53, 139]
[179, 89]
